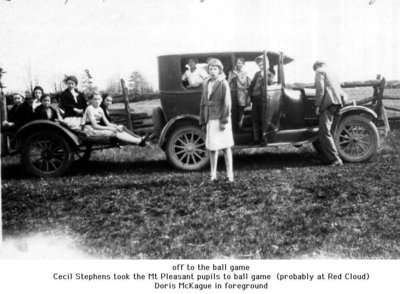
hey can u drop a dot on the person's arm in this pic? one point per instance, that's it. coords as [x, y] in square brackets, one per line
[226, 105]
[93, 122]
[231, 78]
[252, 85]
[319, 91]
[202, 105]
[109, 124]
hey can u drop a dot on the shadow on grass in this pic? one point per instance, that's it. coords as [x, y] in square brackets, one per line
[258, 161]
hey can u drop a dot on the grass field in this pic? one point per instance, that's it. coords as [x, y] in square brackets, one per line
[284, 204]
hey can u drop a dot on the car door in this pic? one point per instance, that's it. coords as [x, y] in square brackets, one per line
[272, 110]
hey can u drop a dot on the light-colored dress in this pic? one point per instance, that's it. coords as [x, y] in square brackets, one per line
[240, 81]
[88, 129]
[215, 138]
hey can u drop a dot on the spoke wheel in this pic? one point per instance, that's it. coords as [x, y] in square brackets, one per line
[356, 138]
[186, 148]
[46, 154]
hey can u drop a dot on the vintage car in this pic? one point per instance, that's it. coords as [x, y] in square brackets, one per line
[289, 113]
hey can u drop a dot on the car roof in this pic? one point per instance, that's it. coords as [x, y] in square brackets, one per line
[248, 55]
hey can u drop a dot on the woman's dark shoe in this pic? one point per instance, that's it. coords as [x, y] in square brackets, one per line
[144, 141]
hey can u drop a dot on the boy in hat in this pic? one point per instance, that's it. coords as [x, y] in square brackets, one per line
[256, 96]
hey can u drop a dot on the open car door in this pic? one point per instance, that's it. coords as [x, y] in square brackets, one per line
[272, 96]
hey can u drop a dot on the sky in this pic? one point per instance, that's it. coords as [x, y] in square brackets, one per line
[48, 38]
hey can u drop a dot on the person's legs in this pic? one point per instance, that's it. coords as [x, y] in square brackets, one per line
[229, 163]
[325, 136]
[125, 129]
[240, 116]
[213, 163]
[125, 137]
[256, 119]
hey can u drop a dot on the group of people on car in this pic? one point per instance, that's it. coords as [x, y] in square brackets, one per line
[248, 91]
[91, 118]
[215, 106]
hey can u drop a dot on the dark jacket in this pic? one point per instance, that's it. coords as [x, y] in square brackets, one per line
[40, 113]
[23, 115]
[67, 103]
[11, 116]
[256, 87]
[219, 104]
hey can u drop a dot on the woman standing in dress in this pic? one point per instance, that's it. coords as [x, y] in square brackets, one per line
[239, 81]
[215, 118]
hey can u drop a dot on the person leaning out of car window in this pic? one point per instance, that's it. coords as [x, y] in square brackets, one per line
[72, 102]
[45, 111]
[255, 92]
[194, 76]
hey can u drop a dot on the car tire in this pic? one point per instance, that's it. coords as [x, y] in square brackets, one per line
[186, 148]
[356, 138]
[46, 154]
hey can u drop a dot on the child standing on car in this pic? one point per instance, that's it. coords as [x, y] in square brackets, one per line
[215, 118]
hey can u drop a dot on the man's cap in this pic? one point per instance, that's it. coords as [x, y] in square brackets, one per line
[317, 64]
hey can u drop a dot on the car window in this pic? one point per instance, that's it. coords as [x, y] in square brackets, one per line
[251, 68]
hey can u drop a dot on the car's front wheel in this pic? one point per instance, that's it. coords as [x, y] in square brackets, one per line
[356, 138]
[186, 148]
[46, 154]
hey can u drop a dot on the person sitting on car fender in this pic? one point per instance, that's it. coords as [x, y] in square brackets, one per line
[45, 111]
[72, 102]
[92, 117]
[328, 102]
[193, 77]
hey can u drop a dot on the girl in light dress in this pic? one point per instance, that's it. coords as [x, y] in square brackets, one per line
[239, 80]
[215, 118]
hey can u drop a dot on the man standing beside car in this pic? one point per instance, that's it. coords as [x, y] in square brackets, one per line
[328, 102]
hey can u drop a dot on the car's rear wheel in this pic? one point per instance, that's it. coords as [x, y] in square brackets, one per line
[356, 138]
[46, 154]
[186, 148]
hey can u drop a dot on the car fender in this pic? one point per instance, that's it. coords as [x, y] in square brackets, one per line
[172, 123]
[357, 109]
[42, 124]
